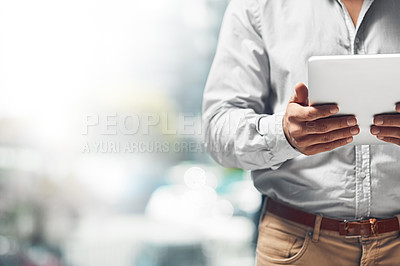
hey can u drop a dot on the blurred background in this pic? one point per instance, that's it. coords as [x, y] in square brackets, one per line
[101, 161]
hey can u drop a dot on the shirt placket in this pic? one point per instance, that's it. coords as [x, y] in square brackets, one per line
[362, 152]
[356, 46]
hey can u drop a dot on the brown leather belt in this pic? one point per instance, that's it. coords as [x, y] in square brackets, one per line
[365, 228]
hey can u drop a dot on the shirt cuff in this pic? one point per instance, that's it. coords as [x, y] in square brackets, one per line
[270, 127]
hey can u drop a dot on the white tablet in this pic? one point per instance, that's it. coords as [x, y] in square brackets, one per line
[362, 85]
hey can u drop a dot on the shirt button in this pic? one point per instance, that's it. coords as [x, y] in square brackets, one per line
[357, 40]
[363, 175]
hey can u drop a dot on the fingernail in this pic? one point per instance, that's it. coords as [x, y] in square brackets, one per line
[378, 121]
[334, 110]
[349, 140]
[354, 131]
[351, 122]
[379, 137]
[375, 130]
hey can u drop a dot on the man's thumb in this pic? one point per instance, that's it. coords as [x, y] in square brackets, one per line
[301, 94]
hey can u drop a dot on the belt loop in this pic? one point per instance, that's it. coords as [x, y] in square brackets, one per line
[398, 219]
[317, 227]
[263, 212]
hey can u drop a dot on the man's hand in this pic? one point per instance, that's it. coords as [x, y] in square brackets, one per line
[387, 127]
[309, 129]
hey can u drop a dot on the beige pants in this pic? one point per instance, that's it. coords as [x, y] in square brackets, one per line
[283, 242]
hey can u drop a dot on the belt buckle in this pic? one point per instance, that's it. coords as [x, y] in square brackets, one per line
[349, 224]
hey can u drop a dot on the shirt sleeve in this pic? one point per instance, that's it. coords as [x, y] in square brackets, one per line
[237, 133]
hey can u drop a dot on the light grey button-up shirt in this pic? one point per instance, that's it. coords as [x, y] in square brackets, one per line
[262, 53]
